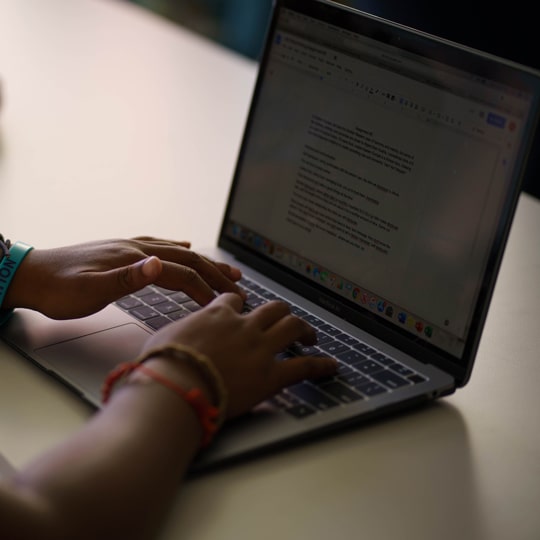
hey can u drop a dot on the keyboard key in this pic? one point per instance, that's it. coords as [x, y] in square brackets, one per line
[257, 289]
[334, 347]
[255, 302]
[382, 358]
[163, 290]
[147, 290]
[314, 321]
[128, 302]
[344, 369]
[341, 392]
[353, 379]
[416, 378]
[348, 340]
[401, 369]
[390, 379]
[366, 349]
[306, 350]
[270, 295]
[153, 298]
[299, 312]
[177, 315]
[368, 367]
[191, 306]
[322, 337]
[371, 389]
[143, 312]
[167, 307]
[157, 322]
[284, 401]
[311, 395]
[329, 329]
[351, 357]
[180, 297]
[300, 411]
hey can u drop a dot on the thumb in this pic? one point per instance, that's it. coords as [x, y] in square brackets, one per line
[142, 273]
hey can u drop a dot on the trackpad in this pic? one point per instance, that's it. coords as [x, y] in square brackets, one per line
[85, 361]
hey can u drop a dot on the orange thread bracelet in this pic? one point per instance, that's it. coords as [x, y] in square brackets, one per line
[204, 366]
[122, 370]
[208, 414]
[210, 417]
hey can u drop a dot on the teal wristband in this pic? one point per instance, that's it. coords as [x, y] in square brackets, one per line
[8, 267]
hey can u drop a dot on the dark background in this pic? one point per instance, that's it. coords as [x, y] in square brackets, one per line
[509, 30]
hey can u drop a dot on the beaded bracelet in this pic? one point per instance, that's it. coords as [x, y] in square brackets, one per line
[210, 416]
[12, 257]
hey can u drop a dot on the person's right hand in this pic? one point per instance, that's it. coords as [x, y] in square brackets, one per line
[75, 281]
[243, 348]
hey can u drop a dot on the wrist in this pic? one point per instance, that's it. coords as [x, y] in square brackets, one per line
[183, 371]
[13, 256]
[182, 375]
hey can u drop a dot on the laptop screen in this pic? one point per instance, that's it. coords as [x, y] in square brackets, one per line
[379, 173]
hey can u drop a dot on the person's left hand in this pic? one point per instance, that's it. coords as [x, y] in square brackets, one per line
[75, 281]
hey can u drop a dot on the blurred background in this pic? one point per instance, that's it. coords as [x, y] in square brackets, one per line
[511, 32]
[237, 24]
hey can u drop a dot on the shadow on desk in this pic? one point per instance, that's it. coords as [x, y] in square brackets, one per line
[407, 476]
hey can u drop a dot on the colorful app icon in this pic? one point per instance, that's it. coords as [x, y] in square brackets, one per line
[402, 317]
[428, 331]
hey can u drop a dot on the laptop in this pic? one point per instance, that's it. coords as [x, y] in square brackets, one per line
[374, 192]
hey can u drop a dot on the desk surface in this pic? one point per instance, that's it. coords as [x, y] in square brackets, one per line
[104, 102]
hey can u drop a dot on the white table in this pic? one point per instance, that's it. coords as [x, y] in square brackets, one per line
[106, 107]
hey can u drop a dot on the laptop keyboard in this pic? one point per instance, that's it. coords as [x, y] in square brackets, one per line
[363, 372]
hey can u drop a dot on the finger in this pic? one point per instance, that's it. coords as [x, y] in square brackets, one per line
[268, 314]
[187, 279]
[114, 284]
[229, 271]
[220, 276]
[162, 242]
[206, 269]
[231, 300]
[298, 368]
[288, 330]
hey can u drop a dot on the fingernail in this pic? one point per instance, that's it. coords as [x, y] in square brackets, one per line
[150, 266]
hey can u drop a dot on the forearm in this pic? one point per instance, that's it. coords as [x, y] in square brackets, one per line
[112, 479]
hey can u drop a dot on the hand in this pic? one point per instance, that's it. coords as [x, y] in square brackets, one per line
[243, 348]
[75, 281]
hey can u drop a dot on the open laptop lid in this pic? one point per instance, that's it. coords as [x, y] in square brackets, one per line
[379, 173]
